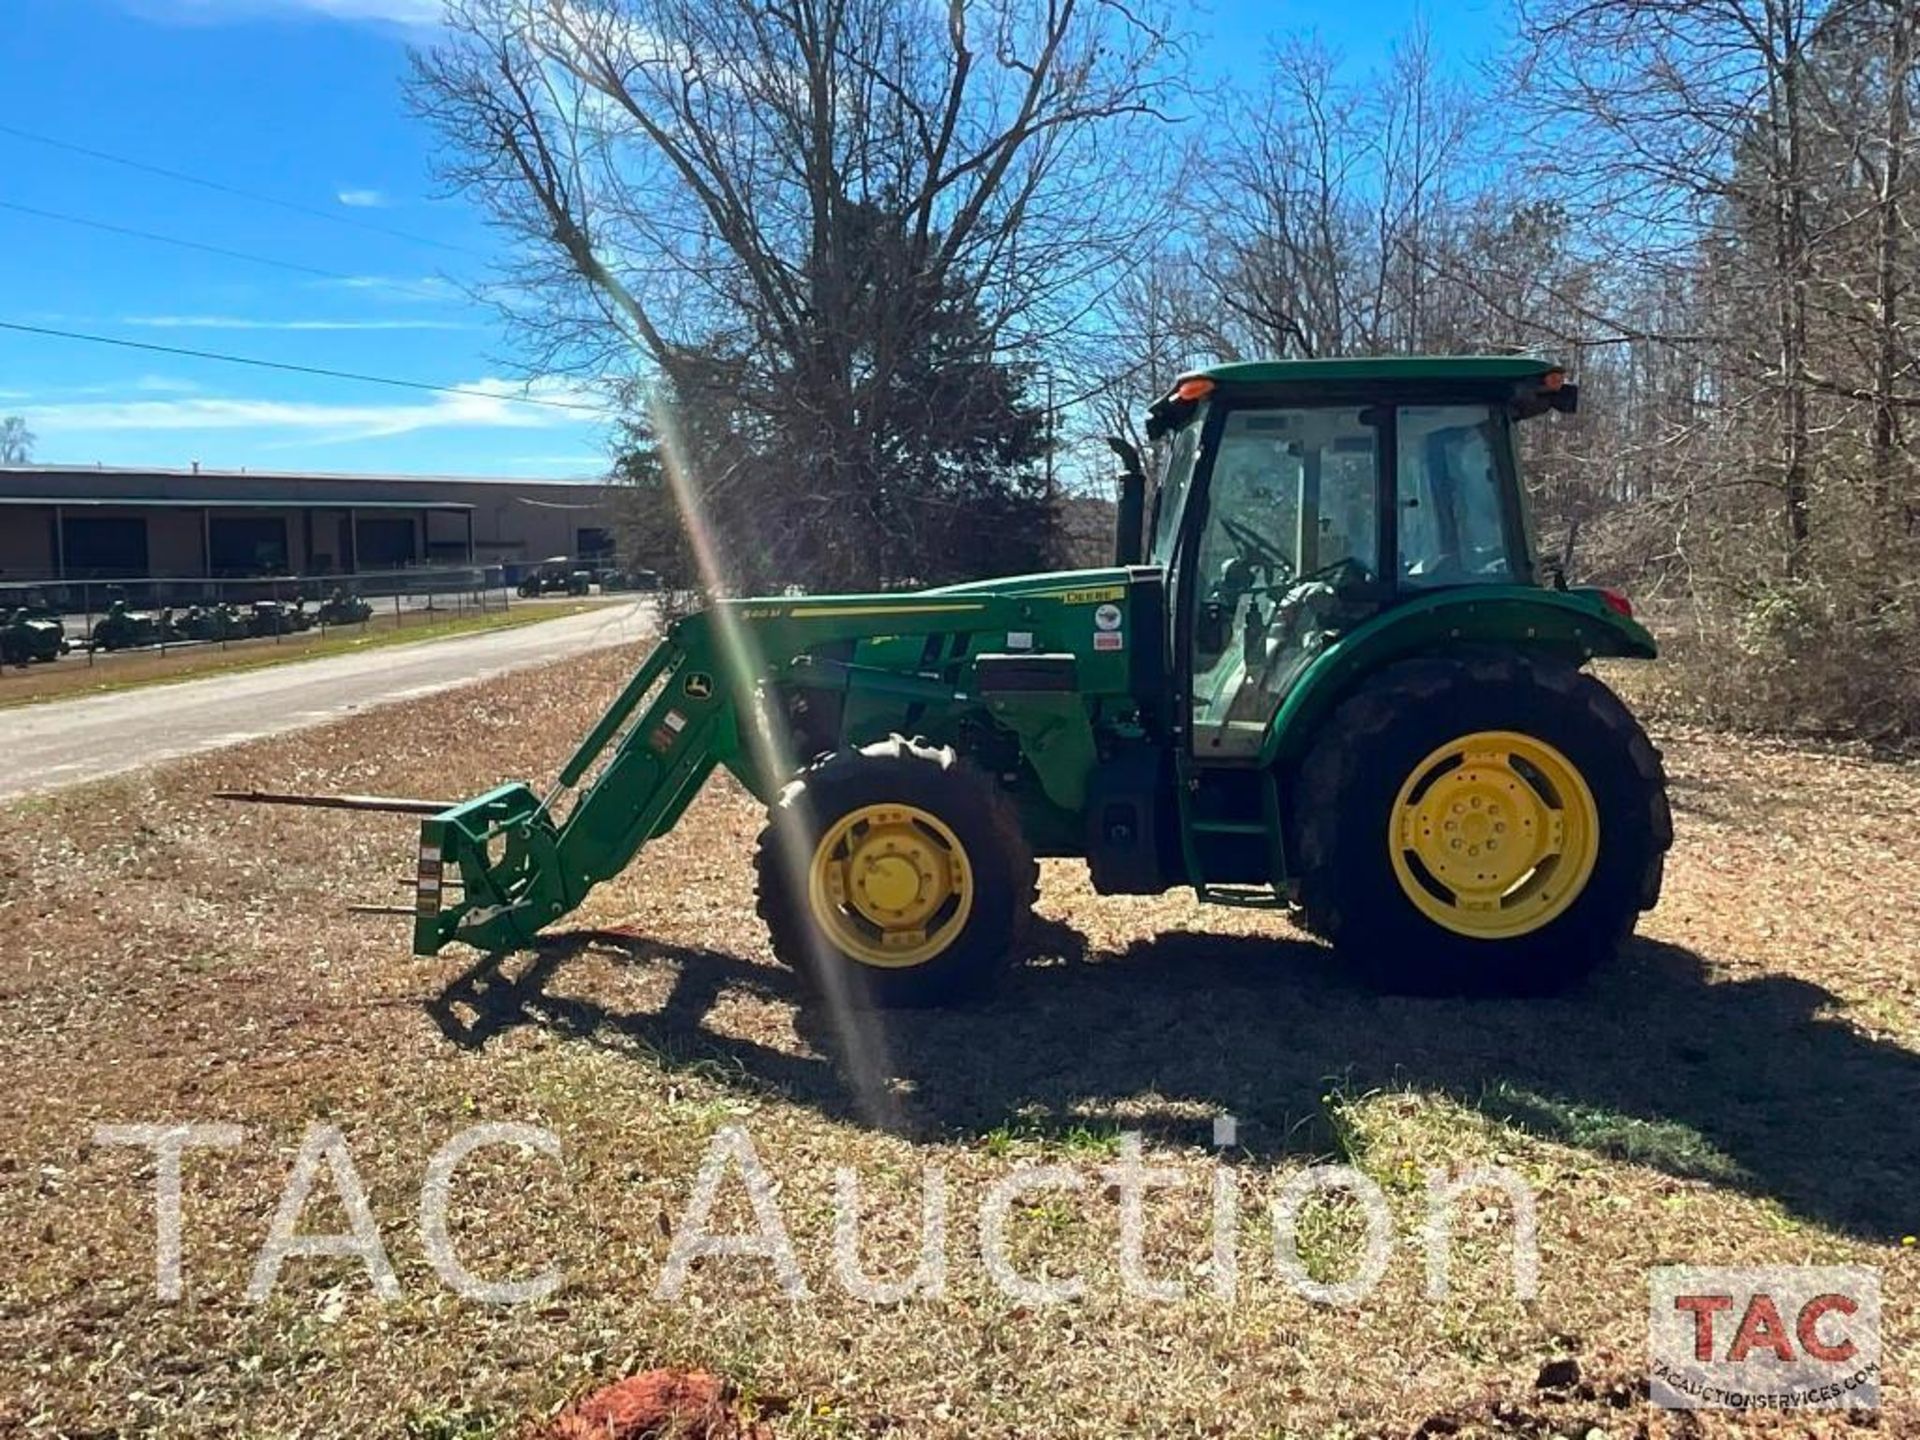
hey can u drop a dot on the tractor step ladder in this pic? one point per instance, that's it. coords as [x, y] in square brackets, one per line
[1245, 897]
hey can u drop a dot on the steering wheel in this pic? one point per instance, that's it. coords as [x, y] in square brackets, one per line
[1259, 549]
[1338, 575]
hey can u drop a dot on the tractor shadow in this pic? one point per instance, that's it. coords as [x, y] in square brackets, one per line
[1757, 1085]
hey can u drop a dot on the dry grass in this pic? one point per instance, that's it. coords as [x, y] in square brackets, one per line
[1743, 1088]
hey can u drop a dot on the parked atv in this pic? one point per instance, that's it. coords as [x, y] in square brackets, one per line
[31, 633]
[613, 581]
[124, 629]
[556, 576]
[26, 636]
[278, 617]
[210, 623]
[341, 608]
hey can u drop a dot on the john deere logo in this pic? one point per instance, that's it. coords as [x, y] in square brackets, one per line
[699, 685]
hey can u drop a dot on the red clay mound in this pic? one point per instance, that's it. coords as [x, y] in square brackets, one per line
[654, 1405]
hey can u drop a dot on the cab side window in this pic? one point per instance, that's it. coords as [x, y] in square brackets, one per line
[1452, 525]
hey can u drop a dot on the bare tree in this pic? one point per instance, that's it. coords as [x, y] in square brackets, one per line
[16, 441]
[1892, 252]
[1668, 125]
[1324, 201]
[1739, 174]
[1884, 168]
[765, 204]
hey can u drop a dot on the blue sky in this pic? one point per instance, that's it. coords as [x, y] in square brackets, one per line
[300, 100]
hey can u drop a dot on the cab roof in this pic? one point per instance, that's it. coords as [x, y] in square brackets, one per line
[1379, 369]
[1531, 385]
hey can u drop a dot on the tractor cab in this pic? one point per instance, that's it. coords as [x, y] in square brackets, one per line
[1301, 499]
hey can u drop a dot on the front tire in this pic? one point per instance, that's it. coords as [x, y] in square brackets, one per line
[1482, 826]
[895, 875]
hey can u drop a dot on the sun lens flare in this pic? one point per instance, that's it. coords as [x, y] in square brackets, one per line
[861, 1042]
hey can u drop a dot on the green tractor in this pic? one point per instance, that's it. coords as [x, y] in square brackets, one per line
[1323, 675]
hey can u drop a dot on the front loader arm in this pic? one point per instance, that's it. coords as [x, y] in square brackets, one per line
[495, 870]
[519, 865]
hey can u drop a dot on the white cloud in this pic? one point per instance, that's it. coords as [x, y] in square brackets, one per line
[237, 322]
[143, 384]
[402, 12]
[577, 465]
[363, 199]
[428, 288]
[487, 404]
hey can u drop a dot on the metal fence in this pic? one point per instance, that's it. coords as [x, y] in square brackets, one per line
[97, 618]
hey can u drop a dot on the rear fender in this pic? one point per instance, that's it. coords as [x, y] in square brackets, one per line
[1572, 625]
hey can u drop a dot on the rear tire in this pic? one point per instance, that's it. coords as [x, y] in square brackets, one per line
[940, 843]
[1371, 808]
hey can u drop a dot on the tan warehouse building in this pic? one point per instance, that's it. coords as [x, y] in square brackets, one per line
[87, 522]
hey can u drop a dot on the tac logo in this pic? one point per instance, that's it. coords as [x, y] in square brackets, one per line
[1787, 1337]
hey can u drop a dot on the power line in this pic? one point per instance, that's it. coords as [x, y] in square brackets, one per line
[223, 188]
[200, 245]
[129, 230]
[603, 411]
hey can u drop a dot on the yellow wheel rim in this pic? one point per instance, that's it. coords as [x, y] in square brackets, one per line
[1494, 835]
[890, 885]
